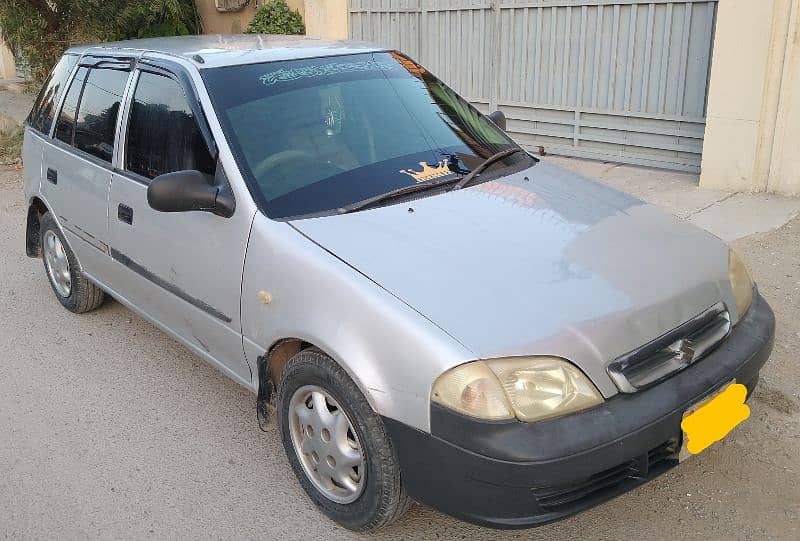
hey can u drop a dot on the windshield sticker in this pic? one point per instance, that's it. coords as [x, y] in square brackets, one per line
[333, 116]
[442, 169]
[292, 74]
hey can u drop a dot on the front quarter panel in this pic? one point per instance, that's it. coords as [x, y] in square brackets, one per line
[391, 351]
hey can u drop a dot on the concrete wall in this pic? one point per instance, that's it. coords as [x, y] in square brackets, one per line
[323, 18]
[234, 22]
[8, 68]
[326, 18]
[753, 128]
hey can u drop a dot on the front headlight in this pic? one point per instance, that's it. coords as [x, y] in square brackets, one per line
[741, 283]
[528, 388]
[472, 389]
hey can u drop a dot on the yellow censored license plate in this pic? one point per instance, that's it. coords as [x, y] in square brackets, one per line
[713, 419]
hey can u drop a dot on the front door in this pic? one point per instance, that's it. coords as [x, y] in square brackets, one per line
[183, 270]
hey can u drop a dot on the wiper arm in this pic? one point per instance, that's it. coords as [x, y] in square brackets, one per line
[382, 198]
[464, 182]
[414, 188]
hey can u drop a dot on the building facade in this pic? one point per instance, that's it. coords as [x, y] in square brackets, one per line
[233, 16]
[753, 125]
[752, 109]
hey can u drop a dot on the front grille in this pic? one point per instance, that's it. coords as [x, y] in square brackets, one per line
[571, 495]
[672, 352]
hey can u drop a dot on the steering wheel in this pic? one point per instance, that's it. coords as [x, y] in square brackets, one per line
[284, 158]
[290, 170]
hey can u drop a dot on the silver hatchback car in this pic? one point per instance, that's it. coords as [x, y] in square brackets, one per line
[424, 309]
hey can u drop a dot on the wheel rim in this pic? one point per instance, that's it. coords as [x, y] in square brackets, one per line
[57, 263]
[326, 444]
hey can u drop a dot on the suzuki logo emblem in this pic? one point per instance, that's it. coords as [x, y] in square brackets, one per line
[684, 350]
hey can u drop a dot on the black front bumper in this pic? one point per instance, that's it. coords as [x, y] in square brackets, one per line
[517, 475]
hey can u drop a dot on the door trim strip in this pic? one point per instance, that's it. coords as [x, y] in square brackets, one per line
[172, 288]
[85, 236]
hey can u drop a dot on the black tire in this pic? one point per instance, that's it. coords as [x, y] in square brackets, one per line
[383, 499]
[84, 296]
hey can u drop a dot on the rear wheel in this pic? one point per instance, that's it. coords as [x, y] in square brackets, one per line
[73, 290]
[337, 445]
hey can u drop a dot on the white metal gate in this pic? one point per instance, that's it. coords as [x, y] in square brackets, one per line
[618, 80]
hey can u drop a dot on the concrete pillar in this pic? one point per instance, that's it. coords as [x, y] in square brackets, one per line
[784, 172]
[326, 19]
[8, 67]
[754, 91]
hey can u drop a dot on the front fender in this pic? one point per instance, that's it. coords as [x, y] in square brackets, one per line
[391, 351]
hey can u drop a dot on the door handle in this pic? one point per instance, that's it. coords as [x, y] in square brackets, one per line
[125, 214]
[52, 176]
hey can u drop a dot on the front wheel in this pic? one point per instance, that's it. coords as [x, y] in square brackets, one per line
[337, 445]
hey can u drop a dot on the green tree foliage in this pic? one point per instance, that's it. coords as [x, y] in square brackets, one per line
[155, 18]
[40, 30]
[275, 17]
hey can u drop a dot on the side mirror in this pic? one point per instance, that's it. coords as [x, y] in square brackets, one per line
[184, 191]
[499, 119]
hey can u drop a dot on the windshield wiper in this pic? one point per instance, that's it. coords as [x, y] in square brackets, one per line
[415, 188]
[388, 196]
[464, 182]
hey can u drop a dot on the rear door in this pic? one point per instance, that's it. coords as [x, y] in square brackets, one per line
[184, 269]
[40, 120]
[77, 162]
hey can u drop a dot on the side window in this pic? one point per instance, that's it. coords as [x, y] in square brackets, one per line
[41, 117]
[66, 118]
[97, 112]
[163, 136]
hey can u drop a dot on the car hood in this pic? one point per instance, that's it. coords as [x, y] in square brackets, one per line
[543, 262]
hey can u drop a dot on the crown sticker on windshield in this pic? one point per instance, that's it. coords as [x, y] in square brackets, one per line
[429, 173]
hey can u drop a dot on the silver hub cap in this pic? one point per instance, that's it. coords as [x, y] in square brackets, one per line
[55, 259]
[326, 444]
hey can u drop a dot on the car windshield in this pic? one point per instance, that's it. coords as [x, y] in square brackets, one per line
[315, 135]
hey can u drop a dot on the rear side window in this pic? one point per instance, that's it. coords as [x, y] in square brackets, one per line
[41, 117]
[66, 119]
[97, 114]
[163, 135]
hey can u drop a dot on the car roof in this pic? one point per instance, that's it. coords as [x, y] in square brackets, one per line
[216, 50]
